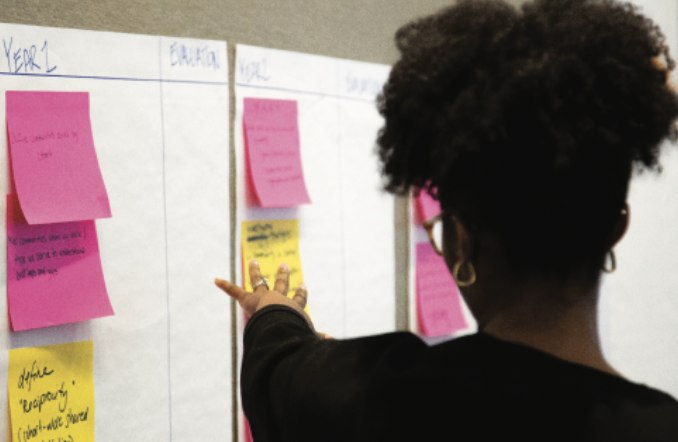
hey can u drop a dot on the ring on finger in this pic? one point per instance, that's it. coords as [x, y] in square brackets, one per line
[263, 281]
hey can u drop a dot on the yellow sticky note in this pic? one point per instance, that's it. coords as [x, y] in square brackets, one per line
[272, 243]
[51, 393]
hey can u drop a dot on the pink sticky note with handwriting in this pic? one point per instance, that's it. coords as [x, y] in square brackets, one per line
[428, 207]
[273, 153]
[54, 273]
[438, 298]
[55, 166]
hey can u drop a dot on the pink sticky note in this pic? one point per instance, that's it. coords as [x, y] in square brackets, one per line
[54, 273]
[438, 298]
[428, 207]
[55, 166]
[248, 431]
[273, 153]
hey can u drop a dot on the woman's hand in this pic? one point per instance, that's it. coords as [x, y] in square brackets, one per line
[261, 296]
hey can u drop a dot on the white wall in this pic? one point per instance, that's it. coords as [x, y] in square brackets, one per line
[639, 302]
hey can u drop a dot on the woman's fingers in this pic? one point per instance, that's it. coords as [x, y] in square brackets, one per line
[255, 276]
[301, 296]
[259, 298]
[231, 290]
[282, 280]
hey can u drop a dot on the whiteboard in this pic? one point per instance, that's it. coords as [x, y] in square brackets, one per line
[347, 233]
[160, 120]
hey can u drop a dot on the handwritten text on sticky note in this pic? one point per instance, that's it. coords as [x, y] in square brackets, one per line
[272, 243]
[54, 273]
[55, 165]
[273, 152]
[438, 299]
[51, 393]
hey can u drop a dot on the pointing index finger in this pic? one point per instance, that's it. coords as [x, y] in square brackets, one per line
[231, 290]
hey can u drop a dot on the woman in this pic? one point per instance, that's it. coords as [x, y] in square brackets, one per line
[526, 125]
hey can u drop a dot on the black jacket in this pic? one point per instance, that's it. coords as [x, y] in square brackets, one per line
[393, 387]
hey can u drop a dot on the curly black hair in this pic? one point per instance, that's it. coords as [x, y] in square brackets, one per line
[528, 123]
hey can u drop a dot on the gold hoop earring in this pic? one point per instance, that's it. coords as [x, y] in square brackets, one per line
[613, 262]
[455, 274]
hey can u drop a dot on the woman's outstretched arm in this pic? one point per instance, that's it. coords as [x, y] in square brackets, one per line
[297, 386]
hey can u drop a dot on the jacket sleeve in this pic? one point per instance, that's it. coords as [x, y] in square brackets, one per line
[298, 387]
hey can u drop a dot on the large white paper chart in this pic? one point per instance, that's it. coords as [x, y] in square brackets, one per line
[346, 234]
[160, 118]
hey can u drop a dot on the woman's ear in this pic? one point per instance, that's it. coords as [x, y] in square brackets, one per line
[457, 240]
[458, 245]
[464, 241]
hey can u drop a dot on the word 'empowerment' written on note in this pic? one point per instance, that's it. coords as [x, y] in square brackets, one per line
[272, 243]
[54, 163]
[54, 273]
[438, 299]
[51, 393]
[273, 152]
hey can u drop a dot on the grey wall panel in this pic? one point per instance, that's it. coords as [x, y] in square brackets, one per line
[355, 29]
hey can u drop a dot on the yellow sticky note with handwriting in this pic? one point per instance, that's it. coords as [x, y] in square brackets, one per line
[272, 243]
[51, 393]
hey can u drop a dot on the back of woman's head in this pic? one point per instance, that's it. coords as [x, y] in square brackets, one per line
[529, 123]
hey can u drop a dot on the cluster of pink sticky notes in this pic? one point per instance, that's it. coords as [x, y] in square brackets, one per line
[54, 273]
[273, 152]
[438, 298]
[427, 206]
[55, 166]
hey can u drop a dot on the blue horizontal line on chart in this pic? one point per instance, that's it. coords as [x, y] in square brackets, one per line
[94, 77]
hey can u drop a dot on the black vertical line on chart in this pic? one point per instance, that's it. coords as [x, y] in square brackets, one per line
[164, 205]
[341, 198]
